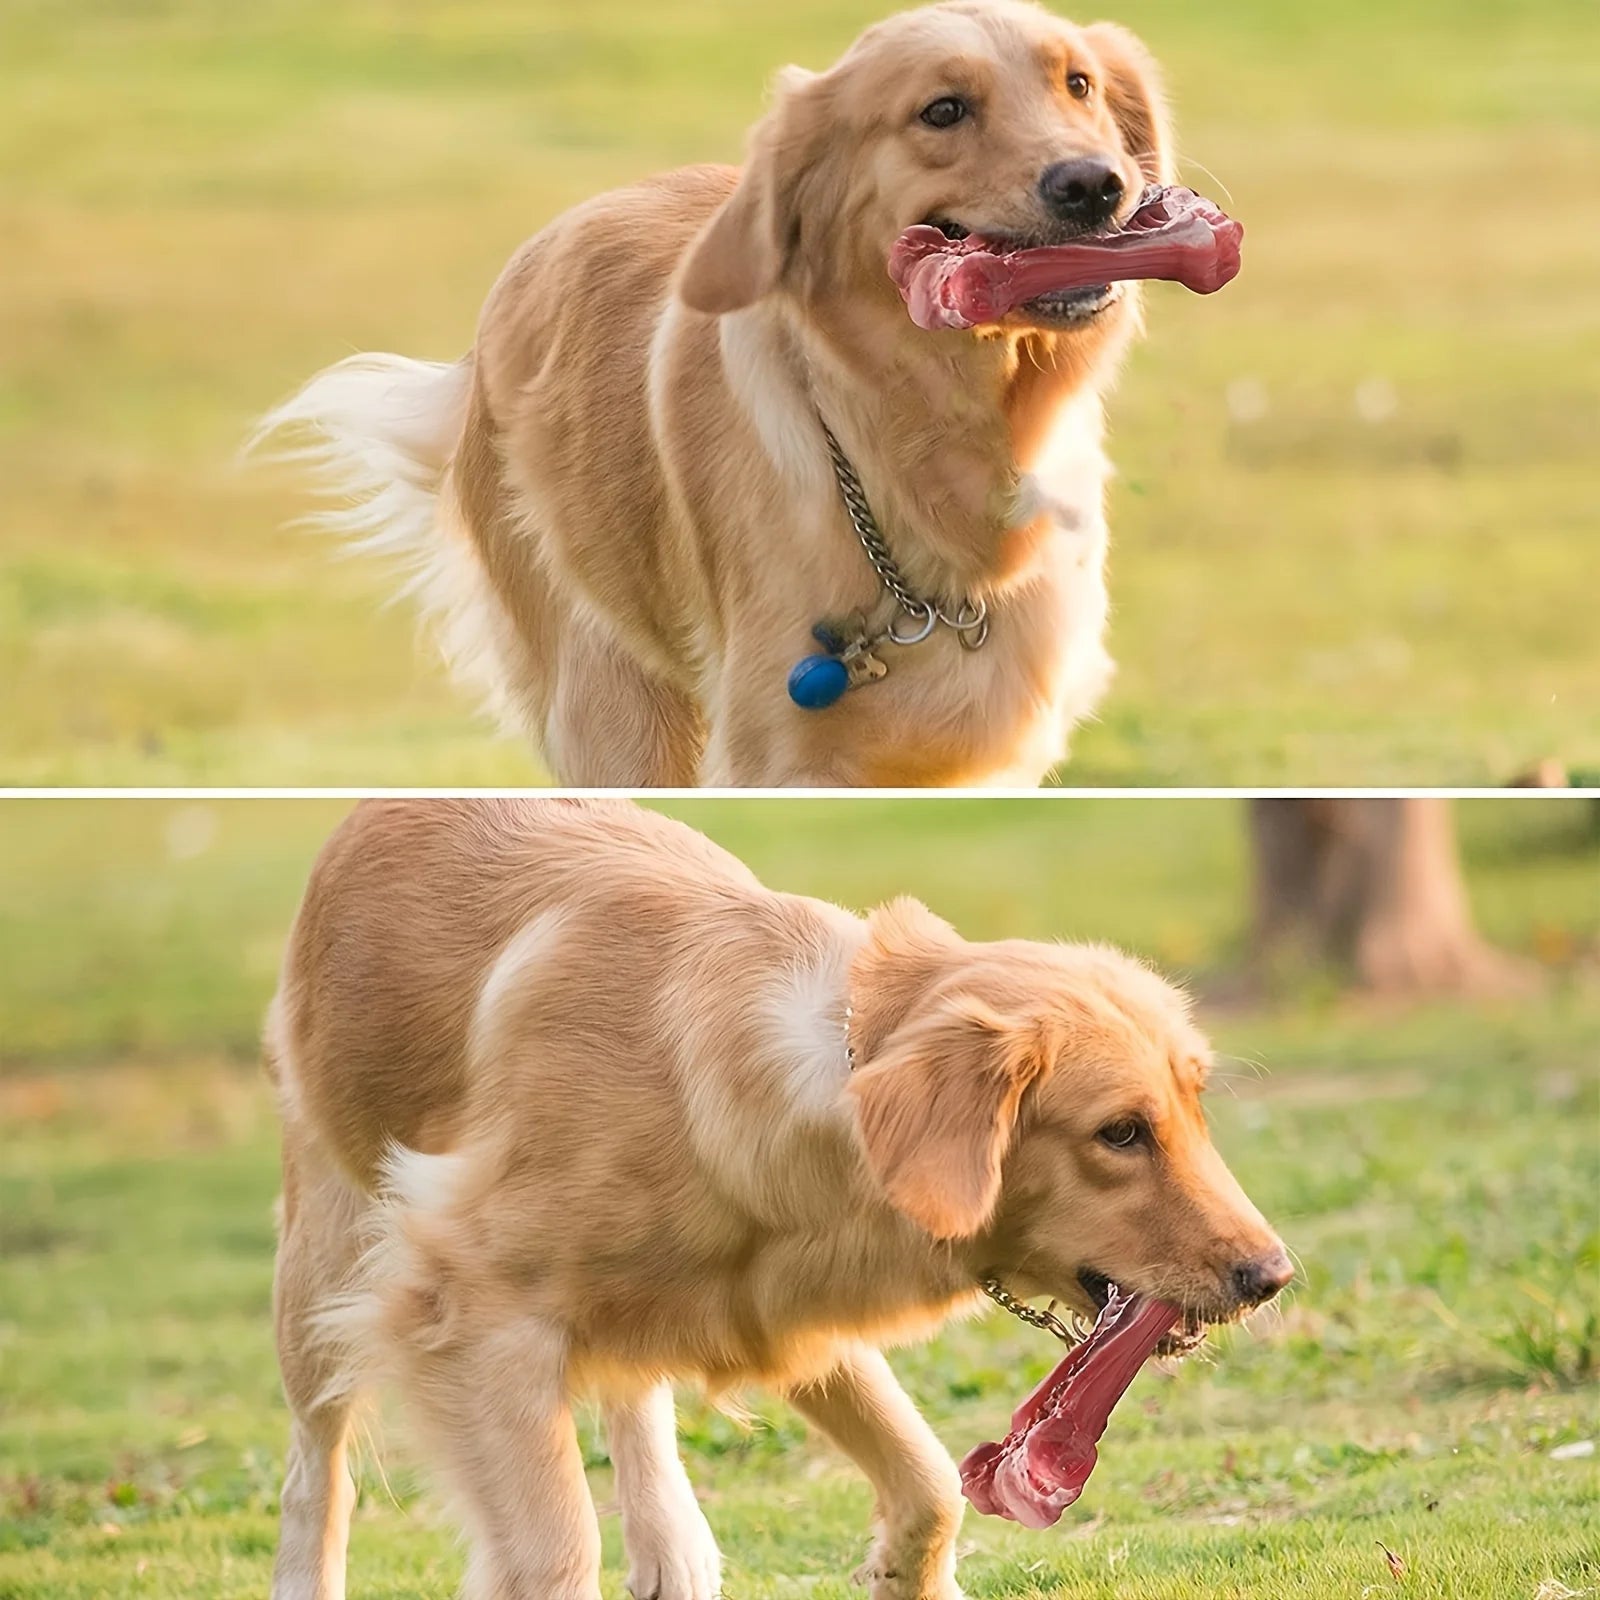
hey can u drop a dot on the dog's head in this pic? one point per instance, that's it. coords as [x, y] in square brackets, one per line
[981, 116]
[1039, 1107]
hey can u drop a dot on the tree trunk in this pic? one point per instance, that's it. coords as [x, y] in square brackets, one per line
[1375, 887]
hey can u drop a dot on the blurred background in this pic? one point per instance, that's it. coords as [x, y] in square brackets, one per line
[1408, 1083]
[1355, 520]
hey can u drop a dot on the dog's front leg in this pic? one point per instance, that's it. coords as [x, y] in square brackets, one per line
[613, 725]
[740, 756]
[671, 1552]
[862, 1408]
[758, 740]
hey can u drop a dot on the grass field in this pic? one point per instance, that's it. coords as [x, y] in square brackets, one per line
[1355, 521]
[1436, 1170]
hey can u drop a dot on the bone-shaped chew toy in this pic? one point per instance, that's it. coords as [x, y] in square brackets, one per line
[959, 283]
[1041, 1466]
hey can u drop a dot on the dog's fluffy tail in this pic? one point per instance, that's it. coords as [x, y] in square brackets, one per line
[375, 434]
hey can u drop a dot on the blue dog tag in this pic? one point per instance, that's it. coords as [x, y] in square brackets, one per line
[815, 682]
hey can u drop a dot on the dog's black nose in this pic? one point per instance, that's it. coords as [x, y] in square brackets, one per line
[1085, 191]
[1255, 1282]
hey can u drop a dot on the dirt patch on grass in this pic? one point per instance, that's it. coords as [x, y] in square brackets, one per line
[189, 1105]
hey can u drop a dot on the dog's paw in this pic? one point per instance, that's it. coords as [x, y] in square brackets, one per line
[672, 1556]
[915, 1575]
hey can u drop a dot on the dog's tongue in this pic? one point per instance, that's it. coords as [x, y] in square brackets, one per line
[1041, 1466]
[960, 283]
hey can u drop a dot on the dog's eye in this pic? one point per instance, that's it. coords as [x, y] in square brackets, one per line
[1078, 85]
[945, 112]
[1124, 1133]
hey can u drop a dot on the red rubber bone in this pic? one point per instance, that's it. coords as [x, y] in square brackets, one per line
[1041, 1466]
[1174, 234]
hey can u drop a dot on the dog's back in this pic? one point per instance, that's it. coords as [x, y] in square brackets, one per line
[407, 911]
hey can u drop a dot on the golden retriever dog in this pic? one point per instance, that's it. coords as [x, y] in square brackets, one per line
[574, 1107]
[621, 509]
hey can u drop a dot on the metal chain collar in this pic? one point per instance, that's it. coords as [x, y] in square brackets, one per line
[971, 620]
[1032, 1315]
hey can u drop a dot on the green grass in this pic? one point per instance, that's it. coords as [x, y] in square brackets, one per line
[200, 205]
[1435, 1169]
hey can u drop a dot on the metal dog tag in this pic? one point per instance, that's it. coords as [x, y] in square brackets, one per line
[862, 665]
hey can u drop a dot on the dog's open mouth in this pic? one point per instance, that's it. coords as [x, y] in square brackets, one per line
[1187, 1333]
[1065, 306]
[1041, 1466]
[950, 278]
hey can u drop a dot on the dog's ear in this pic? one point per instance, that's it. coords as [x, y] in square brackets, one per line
[937, 1106]
[1133, 94]
[743, 252]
